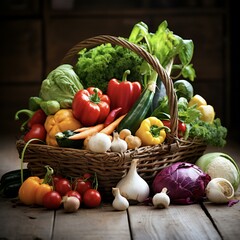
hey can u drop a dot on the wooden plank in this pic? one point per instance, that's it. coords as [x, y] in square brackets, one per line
[176, 222]
[98, 223]
[23, 222]
[227, 219]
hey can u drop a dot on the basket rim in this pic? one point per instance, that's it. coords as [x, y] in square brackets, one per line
[152, 60]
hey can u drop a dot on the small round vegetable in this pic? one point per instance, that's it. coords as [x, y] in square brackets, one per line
[92, 198]
[133, 142]
[184, 89]
[52, 200]
[100, 143]
[73, 193]
[71, 204]
[161, 200]
[124, 133]
[118, 144]
[219, 190]
[119, 203]
[81, 186]
[217, 164]
[63, 186]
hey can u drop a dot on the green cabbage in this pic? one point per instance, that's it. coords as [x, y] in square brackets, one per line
[61, 85]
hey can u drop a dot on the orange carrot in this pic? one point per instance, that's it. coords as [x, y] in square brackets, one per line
[112, 126]
[87, 132]
[82, 129]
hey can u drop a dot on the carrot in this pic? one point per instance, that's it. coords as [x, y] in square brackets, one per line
[82, 129]
[87, 132]
[112, 126]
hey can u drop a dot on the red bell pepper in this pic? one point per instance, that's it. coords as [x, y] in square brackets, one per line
[90, 106]
[34, 117]
[123, 94]
[181, 127]
[36, 131]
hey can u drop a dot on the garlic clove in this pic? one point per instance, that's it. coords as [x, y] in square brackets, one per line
[161, 200]
[119, 203]
[219, 190]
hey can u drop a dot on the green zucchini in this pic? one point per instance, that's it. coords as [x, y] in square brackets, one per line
[11, 181]
[14, 175]
[138, 112]
[10, 190]
[64, 141]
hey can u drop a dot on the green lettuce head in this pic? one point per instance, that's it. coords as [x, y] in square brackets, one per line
[61, 85]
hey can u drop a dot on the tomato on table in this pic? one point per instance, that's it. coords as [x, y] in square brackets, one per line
[52, 200]
[62, 186]
[92, 198]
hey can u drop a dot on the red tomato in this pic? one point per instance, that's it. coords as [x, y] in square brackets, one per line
[56, 178]
[81, 186]
[52, 200]
[73, 193]
[63, 186]
[87, 176]
[92, 198]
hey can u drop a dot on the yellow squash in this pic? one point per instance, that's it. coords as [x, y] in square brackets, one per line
[59, 122]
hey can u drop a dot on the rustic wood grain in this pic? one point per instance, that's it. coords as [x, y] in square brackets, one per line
[23, 222]
[176, 222]
[226, 219]
[99, 223]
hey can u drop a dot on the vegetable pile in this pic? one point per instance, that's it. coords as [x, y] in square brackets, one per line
[111, 89]
[112, 100]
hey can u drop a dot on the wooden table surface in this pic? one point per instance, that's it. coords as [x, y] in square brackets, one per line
[196, 221]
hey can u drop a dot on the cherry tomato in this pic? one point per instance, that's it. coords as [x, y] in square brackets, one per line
[81, 186]
[56, 178]
[62, 186]
[73, 193]
[92, 198]
[87, 176]
[52, 200]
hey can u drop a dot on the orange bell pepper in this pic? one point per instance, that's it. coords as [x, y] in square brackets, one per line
[33, 189]
[59, 122]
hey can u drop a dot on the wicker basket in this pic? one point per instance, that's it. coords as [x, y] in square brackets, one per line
[110, 167]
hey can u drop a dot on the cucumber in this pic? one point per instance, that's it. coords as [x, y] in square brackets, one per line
[11, 181]
[64, 141]
[14, 175]
[10, 190]
[138, 112]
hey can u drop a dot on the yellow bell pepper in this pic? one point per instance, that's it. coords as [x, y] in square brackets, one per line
[207, 111]
[197, 100]
[34, 188]
[59, 122]
[151, 131]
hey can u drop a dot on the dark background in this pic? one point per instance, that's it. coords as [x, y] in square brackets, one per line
[36, 35]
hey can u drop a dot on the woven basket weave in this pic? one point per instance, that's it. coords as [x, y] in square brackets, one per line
[110, 167]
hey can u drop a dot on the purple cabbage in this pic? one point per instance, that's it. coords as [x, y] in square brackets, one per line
[185, 182]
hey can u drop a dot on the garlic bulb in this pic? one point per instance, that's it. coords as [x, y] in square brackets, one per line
[133, 186]
[161, 200]
[118, 144]
[119, 203]
[100, 143]
[219, 190]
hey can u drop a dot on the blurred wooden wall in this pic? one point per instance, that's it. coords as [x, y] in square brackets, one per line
[36, 35]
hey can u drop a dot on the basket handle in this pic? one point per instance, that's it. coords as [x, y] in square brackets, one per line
[153, 61]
